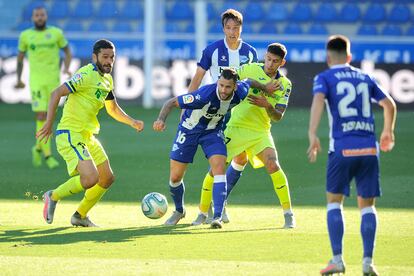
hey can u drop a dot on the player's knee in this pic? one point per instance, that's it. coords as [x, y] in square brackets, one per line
[272, 166]
[240, 159]
[175, 178]
[107, 180]
[89, 180]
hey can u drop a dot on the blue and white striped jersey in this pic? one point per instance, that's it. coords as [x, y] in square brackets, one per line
[204, 110]
[217, 56]
[348, 93]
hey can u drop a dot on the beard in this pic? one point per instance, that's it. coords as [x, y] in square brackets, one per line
[40, 25]
[102, 68]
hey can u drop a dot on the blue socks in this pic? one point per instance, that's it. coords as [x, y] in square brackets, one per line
[233, 173]
[219, 194]
[368, 229]
[177, 193]
[335, 227]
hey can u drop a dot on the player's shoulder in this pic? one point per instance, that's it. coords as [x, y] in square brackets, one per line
[282, 77]
[248, 46]
[27, 32]
[215, 45]
[86, 72]
[54, 29]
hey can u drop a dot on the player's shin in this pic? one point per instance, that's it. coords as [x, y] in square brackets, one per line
[219, 194]
[281, 186]
[70, 187]
[206, 193]
[368, 231]
[39, 125]
[91, 197]
[233, 173]
[177, 191]
[336, 229]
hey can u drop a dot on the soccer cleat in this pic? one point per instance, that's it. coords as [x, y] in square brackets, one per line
[36, 157]
[49, 207]
[225, 216]
[201, 218]
[216, 224]
[333, 268]
[77, 220]
[51, 162]
[369, 270]
[175, 218]
[290, 221]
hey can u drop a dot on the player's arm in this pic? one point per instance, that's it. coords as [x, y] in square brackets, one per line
[46, 131]
[67, 60]
[318, 104]
[19, 70]
[387, 138]
[159, 124]
[275, 112]
[268, 88]
[196, 80]
[116, 112]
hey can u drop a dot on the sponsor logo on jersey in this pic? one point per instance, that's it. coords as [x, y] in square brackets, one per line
[175, 147]
[198, 97]
[188, 99]
[223, 58]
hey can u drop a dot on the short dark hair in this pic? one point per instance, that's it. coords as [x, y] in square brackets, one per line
[339, 44]
[277, 49]
[229, 74]
[102, 44]
[231, 14]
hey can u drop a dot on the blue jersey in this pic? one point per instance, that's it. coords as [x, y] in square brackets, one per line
[204, 110]
[217, 56]
[348, 92]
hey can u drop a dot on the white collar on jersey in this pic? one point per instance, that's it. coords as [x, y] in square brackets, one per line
[340, 65]
[228, 48]
[218, 95]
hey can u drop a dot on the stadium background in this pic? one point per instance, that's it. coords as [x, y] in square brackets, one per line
[382, 33]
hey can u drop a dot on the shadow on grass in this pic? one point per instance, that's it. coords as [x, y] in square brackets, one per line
[69, 235]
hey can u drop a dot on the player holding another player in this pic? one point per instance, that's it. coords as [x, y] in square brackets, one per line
[353, 149]
[248, 133]
[42, 45]
[202, 124]
[89, 90]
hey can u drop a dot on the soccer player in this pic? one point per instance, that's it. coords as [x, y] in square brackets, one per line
[89, 90]
[248, 133]
[230, 52]
[202, 124]
[353, 149]
[42, 45]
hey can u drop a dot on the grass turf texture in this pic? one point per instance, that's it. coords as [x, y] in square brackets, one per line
[253, 243]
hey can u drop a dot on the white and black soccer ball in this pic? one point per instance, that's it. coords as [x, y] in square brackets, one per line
[154, 205]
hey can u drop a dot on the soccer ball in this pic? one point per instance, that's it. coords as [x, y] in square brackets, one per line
[154, 205]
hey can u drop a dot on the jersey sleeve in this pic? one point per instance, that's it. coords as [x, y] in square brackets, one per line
[284, 99]
[79, 79]
[320, 85]
[22, 43]
[205, 61]
[196, 99]
[61, 41]
[254, 55]
[243, 88]
[378, 92]
[243, 71]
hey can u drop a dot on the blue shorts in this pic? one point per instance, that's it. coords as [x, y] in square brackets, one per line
[186, 143]
[342, 169]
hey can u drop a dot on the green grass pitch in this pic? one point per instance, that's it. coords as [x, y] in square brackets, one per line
[253, 243]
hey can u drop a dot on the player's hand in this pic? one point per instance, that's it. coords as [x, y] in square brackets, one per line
[20, 85]
[159, 125]
[138, 125]
[271, 87]
[44, 133]
[314, 148]
[260, 100]
[387, 141]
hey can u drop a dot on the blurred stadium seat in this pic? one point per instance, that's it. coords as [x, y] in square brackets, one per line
[253, 12]
[393, 30]
[75, 26]
[132, 10]
[326, 12]
[98, 26]
[318, 29]
[301, 12]
[277, 12]
[180, 10]
[107, 9]
[122, 27]
[293, 28]
[82, 10]
[374, 13]
[58, 9]
[367, 30]
[267, 28]
[350, 12]
[399, 13]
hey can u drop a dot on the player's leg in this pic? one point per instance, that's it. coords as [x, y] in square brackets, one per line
[206, 193]
[218, 168]
[368, 187]
[40, 118]
[280, 183]
[338, 178]
[177, 190]
[235, 170]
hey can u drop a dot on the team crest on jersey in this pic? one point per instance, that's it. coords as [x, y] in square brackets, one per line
[188, 99]
[48, 36]
[243, 60]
